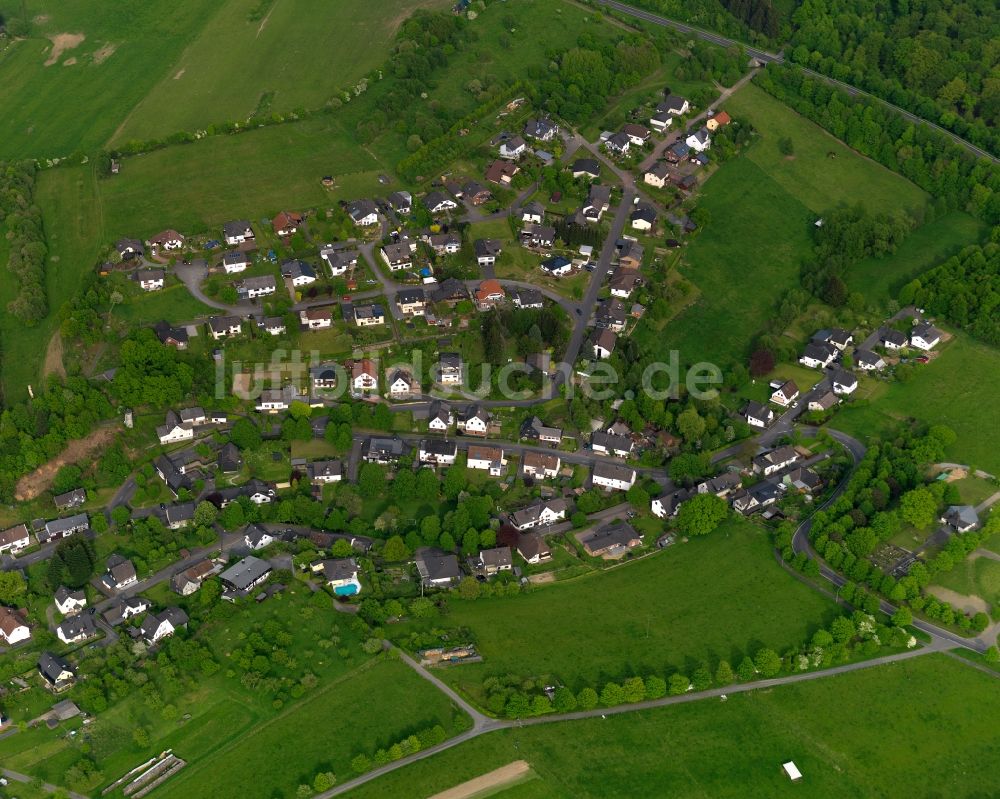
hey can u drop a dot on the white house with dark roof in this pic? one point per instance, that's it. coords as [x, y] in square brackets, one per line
[256, 537]
[844, 382]
[70, 602]
[223, 326]
[157, 626]
[924, 336]
[785, 394]
[541, 514]
[13, 626]
[961, 518]
[299, 272]
[757, 415]
[612, 477]
[234, 261]
[338, 261]
[76, 628]
[894, 339]
[150, 279]
[238, 232]
[437, 452]
[512, 149]
[700, 140]
[397, 256]
[818, 355]
[363, 213]
[868, 361]
[487, 459]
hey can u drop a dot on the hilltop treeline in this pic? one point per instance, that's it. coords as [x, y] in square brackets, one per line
[21, 221]
[965, 290]
[925, 156]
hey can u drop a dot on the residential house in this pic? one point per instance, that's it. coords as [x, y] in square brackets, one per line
[618, 144]
[661, 120]
[586, 168]
[637, 134]
[401, 202]
[234, 261]
[924, 336]
[437, 202]
[657, 175]
[489, 293]
[129, 249]
[630, 254]
[56, 672]
[534, 212]
[188, 581]
[253, 287]
[476, 193]
[720, 120]
[540, 465]
[364, 375]
[382, 450]
[528, 298]
[473, 420]
[157, 626]
[174, 478]
[150, 279]
[120, 574]
[611, 315]
[610, 444]
[487, 459]
[339, 261]
[63, 528]
[677, 153]
[272, 325]
[125, 608]
[14, 626]
[836, 336]
[611, 476]
[444, 243]
[437, 452]
[329, 471]
[534, 430]
[803, 480]
[785, 394]
[721, 485]
[449, 368]
[643, 217]
[70, 602]
[490, 562]
[179, 514]
[961, 518]
[674, 104]
[557, 266]
[450, 290]
[612, 540]
[402, 384]
[245, 575]
[167, 240]
[71, 630]
[341, 574]
[868, 361]
[757, 415]
[604, 343]
[176, 337]
[411, 302]
[238, 232]
[532, 547]
[513, 149]
[699, 141]
[439, 417]
[257, 491]
[487, 251]
[824, 402]
[538, 236]
[894, 339]
[775, 460]
[316, 318]
[398, 256]
[623, 282]
[229, 459]
[502, 172]
[286, 223]
[541, 129]
[256, 537]
[437, 569]
[223, 326]
[300, 273]
[541, 514]
[71, 499]
[363, 213]
[844, 382]
[324, 377]
[598, 201]
[369, 315]
[818, 355]
[274, 400]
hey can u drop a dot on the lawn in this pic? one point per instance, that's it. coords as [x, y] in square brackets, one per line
[74, 232]
[974, 490]
[741, 262]
[958, 389]
[835, 730]
[173, 304]
[811, 175]
[708, 599]
[974, 577]
[880, 279]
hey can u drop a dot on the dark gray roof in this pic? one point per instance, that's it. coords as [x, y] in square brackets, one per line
[52, 666]
[245, 573]
[435, 565]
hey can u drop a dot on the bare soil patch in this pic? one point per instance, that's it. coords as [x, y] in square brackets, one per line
[102, 55]
[54, 357]
[487, 782]
[69, 62]
[179, 75]
[61, 42]
[31, 485]
[968, 604]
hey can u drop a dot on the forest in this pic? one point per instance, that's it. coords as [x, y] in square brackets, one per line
[965, 290]
[21, 221]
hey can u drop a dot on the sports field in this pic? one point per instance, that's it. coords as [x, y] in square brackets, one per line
[714, 598]
[958, 389]
[871, 733]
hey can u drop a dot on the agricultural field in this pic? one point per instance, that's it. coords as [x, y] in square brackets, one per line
[700, 601]
[834, 729]
[957, 389]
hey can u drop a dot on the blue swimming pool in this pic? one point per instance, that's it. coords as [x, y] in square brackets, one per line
[346, 590]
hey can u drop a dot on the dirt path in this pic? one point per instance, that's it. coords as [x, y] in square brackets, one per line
[31, 485]
[54, 357]
[494, 779]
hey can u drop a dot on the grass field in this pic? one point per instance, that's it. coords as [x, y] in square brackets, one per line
[701, 601]
[880, 279]
[811, 175]
[747, 255]
[835, 729]
[975, 577]
[958, 389]
[74, 232]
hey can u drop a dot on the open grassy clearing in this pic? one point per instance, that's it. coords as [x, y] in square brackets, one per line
[817, 180]
[745, 257]
[834, 729]
[974, 490]
[297, 56]
[880, 279]
[708, 599]
[975, 577]
[958, 389]
[74, 232]
[76, 103]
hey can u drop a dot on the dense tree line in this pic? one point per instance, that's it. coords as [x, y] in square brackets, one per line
[729, 17]
[928, 158]
[21, 222]
[757, 15]
[965, 290]
[936, 58]
[529, 331]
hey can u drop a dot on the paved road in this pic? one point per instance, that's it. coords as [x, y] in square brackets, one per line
[766, 57]
[47, 787]
[694, 696]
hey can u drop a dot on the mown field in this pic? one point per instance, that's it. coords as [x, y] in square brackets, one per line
[870, 733]
[706, 600]
[958, 389]
[975, 577]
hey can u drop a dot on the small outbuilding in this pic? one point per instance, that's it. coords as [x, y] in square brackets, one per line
[791, 771]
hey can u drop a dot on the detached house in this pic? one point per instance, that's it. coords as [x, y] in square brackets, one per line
[339, 261]
[824, 402]
[699, 141]
[611, 315]
[610, 444]
[493, 561]
[383, 450]
[768, 463]
[612, 541]
[473, 420]
[818, 355]
[238, 232]
[541, 129]
[439, 417]
[540, 465]
[657, 175]
[610, 476]
[13, 626]
[188, 581]
[893, 339]
[234, 261]
[70, 602]
[286, 223]
[538, 236]
[533, 212]
[512, 149]
[176, 337]
[364, 375]
[341, 575]
[449, 368]
[246, 575]
[540, 514]
[437, 202]
[532, 547]
[120, 574]
[487, 459]
[961, 518]
[253, 287]
[71, 499]
[57, 673]
[401, 202]
[363, 213]
[476, 193]
[837, 336]
[661, 120]
[167, 240]
[129, 249]
[586, 168]
[223, 326]
[401, 384]
[528, 298]
[14, 539]
[557, 266]
[618, 144]
[604, 343]
[74, 629]
[368, 315]
[299, 272]
[637, 134]
[844, 382]
[489, 293]
[437, 452]
[330, 471]
[924, 336]
[598, 201]
[256, 537]
[487, 251]
[412, 302]
[785, 394]
[501, 172]
[643, 217]
[868, 361]
[674, 104]
[316, 318]
[63, 528]
[157, 626]
[757, 415]
[437, 569]
[150, 279]
[397, 256]
[534, 430]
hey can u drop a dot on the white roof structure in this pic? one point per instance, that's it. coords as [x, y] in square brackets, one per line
[792, 771]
